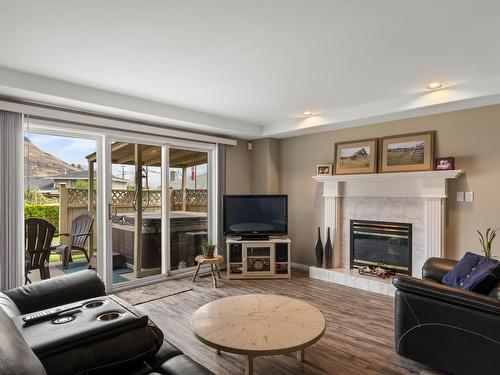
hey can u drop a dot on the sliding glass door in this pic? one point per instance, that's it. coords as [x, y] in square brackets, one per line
[189, 201]
[146, 204]
[159, 208]
[60, 201]
[135, 211]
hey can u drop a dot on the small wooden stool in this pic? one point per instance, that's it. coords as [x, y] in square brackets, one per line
[214, 263]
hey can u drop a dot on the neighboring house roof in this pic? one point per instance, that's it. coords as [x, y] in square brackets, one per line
[48, 184]
[41, 183]
[83, 175]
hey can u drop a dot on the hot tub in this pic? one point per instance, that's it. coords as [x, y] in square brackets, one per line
[182, 244]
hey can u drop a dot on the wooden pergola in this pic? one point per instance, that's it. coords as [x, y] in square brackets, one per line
[143, 156]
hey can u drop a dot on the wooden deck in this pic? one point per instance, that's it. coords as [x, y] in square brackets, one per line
[358, 338]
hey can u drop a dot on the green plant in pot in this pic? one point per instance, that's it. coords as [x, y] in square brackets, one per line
[486, 240]
[208, 248]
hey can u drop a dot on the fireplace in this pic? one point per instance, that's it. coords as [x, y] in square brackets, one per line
[381, 244]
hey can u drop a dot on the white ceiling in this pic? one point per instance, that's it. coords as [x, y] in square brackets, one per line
[250, 68]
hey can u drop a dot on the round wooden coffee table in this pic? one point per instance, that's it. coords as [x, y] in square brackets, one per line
[257, 325]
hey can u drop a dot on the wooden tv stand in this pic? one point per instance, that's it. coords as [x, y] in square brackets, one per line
[258, 259]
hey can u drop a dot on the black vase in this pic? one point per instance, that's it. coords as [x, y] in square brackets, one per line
[318, 250]
[328, 250]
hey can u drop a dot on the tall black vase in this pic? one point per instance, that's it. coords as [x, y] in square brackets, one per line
[328, 250]
[318, 250]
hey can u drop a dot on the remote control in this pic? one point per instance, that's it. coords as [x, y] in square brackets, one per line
[45, 314]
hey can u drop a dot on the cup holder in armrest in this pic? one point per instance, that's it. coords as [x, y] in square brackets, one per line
[93, 304]
[63, 319]
[106, 317]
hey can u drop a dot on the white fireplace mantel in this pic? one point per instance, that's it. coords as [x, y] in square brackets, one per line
[431, 186]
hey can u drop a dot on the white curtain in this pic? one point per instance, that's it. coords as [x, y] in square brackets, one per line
[11, 199]
[221, 170]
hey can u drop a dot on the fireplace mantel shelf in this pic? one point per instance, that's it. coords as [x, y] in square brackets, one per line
[391, 176]
[431, 184]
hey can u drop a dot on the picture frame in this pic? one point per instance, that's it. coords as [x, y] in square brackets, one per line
[324, 170]
[356, 157]
[444, 164]
[407, 152]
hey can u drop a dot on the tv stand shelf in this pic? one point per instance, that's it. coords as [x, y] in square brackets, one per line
[258, 259]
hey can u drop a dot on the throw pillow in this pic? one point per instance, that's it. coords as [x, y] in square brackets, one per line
[483, 277]
[475, 273]
[458, 273]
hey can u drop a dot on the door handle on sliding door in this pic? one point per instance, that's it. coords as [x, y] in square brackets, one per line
[110, 211]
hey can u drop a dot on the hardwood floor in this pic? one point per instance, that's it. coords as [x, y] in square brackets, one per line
[358, 337]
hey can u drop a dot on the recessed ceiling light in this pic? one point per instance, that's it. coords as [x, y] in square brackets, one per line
[307, 113]
[435, 85]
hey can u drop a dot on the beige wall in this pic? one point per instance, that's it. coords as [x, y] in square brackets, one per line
[286, 166]
[238, 169]
[264, 166]
[471, 136]
[256, 171]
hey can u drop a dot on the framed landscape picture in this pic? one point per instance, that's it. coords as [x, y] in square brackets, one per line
[407, 152]
[355, 157]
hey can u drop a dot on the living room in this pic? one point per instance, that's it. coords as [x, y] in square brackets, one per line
[271, 187]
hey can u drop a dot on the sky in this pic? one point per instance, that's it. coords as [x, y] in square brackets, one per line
[410, 144]
[348, 152]
[74, 150]
[71, 150]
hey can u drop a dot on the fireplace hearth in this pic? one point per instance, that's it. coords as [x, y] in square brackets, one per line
[381, 244]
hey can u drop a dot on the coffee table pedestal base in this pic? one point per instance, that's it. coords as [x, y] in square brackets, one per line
[301, 355]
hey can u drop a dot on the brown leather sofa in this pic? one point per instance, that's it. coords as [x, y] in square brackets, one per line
[135, 347]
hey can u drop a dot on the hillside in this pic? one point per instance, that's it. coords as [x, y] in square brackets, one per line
[40, 163]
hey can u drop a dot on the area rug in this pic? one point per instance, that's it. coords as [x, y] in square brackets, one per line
[153, 292]
[81, 265]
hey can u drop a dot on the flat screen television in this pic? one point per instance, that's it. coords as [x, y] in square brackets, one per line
[255, 216]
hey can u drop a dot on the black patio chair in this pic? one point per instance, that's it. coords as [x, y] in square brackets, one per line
[81, 230]
[38, 234]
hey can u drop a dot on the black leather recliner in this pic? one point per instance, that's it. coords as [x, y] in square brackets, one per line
[138, 349]
[448, 329]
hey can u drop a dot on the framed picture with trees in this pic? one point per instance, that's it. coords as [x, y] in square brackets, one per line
[355, 157]
[407, 152]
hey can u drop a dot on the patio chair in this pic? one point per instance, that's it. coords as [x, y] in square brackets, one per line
[38, 234]
[81, 230]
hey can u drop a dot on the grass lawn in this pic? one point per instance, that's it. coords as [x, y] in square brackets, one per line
[75, 256]
[359, 163]
[403, 158]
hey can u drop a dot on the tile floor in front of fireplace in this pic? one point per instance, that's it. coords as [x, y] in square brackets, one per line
[358, 338]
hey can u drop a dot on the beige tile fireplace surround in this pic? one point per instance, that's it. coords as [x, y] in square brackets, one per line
[418, 198]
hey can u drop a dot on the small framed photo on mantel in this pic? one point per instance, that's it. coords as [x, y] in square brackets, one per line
[324, 170]
[355, 157]
[444, 164]
[407, 152]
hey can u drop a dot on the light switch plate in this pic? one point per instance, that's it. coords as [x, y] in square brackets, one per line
[469, 196]
[460, 196]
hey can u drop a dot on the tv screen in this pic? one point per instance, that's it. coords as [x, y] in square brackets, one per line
[255, 215]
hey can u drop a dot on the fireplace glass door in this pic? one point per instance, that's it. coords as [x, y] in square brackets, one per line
[381, 244]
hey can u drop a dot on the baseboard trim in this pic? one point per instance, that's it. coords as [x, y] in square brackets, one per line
[300, 266]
